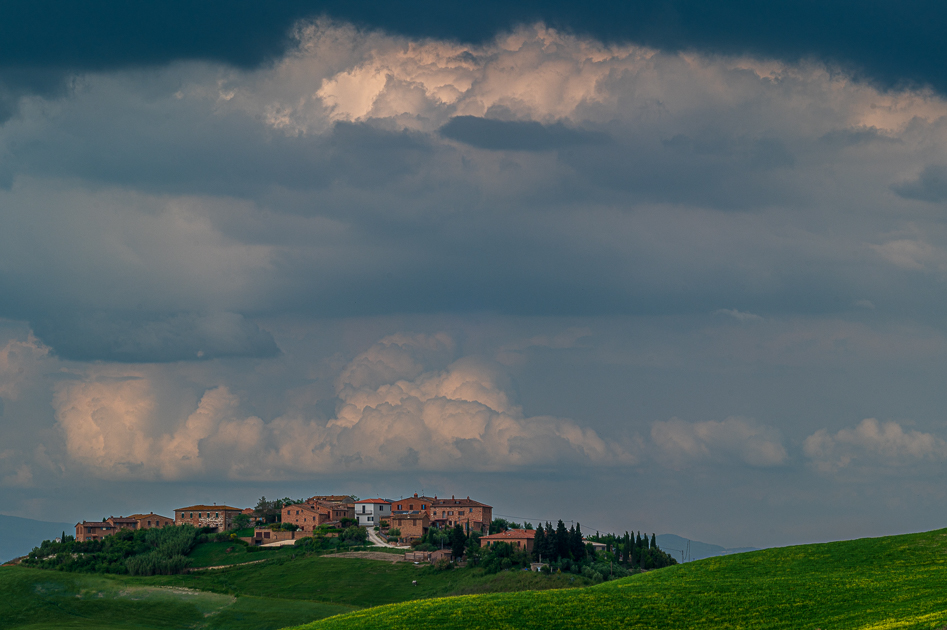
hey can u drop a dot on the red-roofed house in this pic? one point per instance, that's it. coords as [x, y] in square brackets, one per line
[519, 538]
[370, 512]
[472, 515]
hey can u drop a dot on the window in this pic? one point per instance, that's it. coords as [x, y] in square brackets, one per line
[192, 515]
[471, 510]
[371, 518]
[399, 506]
[216, 514]
[423, 507]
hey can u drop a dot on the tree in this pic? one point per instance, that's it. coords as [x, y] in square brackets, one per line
[562, 540]
[498, 525]
[539, 540]
[473, 547]
[240, 521]
[458, 540]
[578, 547]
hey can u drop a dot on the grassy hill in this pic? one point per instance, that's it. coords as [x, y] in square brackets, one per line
[869, 584]
[280, 591]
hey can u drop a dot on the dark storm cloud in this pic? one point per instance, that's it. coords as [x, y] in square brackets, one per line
[503, 135]
[891, 42]
[130, 338]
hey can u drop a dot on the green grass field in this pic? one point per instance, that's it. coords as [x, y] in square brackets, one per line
[282, 591]
[869, 584]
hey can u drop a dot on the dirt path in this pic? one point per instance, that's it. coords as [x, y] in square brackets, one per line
[225, 566]
[367, 555]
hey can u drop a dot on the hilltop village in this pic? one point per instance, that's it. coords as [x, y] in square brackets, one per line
[424, 528]
[402, 521]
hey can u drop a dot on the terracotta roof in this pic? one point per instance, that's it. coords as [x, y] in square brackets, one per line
[373, 501]
[152, 514]
[468, 502]
[511, 534]
[123, 519]
[209, 508]
[94, 524]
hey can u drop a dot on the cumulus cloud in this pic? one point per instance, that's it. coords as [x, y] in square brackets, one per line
[732, 441]
[394, 413]
[872, 444]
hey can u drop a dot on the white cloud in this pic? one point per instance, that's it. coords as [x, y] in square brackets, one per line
[872, 444]
[538, 73]
[393, 414]
[734, 440]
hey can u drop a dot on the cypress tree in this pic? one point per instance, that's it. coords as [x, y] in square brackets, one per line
[562, 540]
[654, 542]
[539, 542]
[578, 545]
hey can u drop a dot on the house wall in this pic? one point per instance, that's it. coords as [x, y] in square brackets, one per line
[371, 514]
[206, 516]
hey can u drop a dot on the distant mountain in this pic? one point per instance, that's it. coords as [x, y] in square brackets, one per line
[18, 535]
[674, 545]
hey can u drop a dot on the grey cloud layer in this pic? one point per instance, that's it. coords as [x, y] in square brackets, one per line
[674, 266]
[540, 173]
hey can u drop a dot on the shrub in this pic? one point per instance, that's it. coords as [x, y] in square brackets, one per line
[443, 564]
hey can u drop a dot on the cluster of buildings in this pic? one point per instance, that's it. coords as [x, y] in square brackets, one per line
[412, 517]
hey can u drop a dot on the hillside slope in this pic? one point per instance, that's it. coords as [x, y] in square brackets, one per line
[674, 545]
[880, 583]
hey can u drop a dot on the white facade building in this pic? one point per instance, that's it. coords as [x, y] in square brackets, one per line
[371, 512]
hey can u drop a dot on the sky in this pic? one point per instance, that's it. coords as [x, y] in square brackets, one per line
[655, 266]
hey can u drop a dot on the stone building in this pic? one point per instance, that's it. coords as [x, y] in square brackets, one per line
[87, 530]
[472, 515]
[519, 538]
[219, 517]
[413, 525]
[150, 520]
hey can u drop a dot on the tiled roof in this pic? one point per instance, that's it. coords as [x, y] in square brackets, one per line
[468, 502]
[373, 501]
[209, 508]
[511, 534]
[152, 515]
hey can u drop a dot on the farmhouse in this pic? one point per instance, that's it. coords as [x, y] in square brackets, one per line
[519, 538]
[87, 530]
[217, 516]
[472, 515]
[147, 521]
[413, 525]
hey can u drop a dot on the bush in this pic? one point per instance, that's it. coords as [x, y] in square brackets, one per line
[142, 552]
[443, 564]
[354, 535]
[394, 532]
